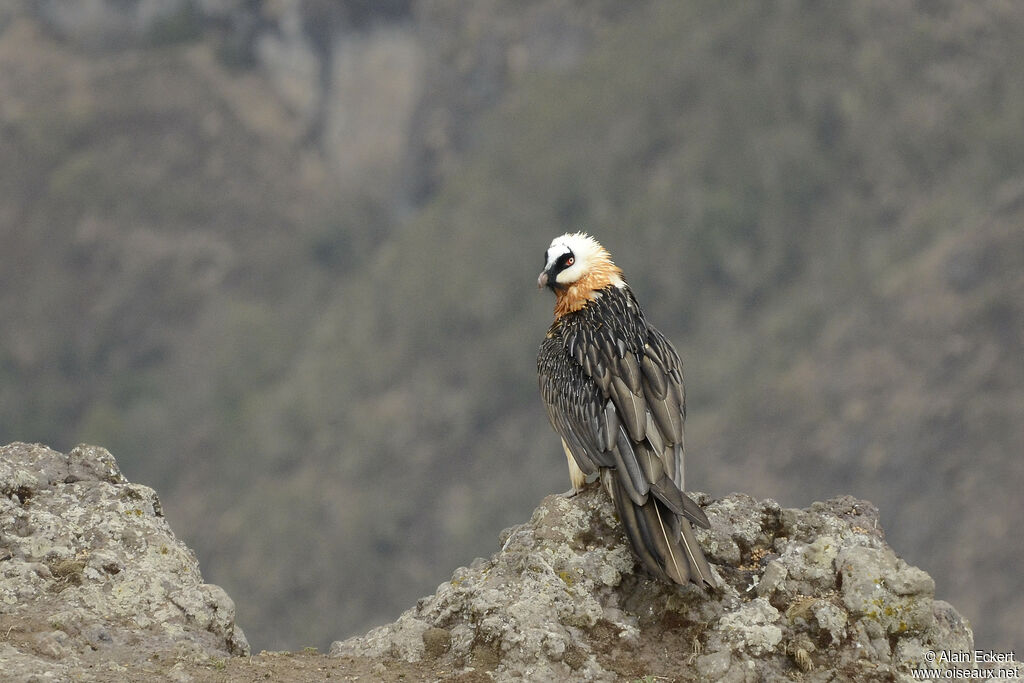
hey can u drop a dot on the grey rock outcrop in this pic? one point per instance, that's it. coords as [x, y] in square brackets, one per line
[92, 579]
[94, 586]
[814, 594]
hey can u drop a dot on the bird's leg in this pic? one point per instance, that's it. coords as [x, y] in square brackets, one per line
[576, 475]
[577, 489]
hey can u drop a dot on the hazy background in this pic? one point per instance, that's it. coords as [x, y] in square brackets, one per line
[279, 257]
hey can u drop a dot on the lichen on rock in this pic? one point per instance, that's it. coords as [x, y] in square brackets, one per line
[94, 586]
[90, 571]
[814, 593]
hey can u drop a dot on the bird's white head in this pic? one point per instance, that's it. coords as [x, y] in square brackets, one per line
[574, 256]
[576, 266]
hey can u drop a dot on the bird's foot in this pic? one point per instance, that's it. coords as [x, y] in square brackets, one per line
[571, 493]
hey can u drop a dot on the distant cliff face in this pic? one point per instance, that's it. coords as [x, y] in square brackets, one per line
[384, 90]
[91, 575]
[348, 73]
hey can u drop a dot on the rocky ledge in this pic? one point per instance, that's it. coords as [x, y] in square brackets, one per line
[93, 581]
[813, 595]
[95, 586]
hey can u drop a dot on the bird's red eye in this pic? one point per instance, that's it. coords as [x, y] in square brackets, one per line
[569, 261]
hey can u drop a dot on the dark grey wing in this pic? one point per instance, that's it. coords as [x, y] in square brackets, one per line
[646, 390]
[665, 395]
[575, 407]
[614, 393]
[613, 389]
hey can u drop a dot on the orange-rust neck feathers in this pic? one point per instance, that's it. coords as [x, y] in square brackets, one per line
[575, 296]
[577, 268]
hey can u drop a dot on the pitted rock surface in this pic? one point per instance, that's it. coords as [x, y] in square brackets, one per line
[91, 575]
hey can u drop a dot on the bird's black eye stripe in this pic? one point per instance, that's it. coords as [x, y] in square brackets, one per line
[565, 259]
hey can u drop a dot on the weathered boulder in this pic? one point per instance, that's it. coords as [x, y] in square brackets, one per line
[814, 594]
[95, 586]
[92, 578]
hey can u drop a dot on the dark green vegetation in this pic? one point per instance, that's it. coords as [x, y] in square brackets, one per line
[820, 203]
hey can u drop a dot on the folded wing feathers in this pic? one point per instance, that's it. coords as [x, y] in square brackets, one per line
[631, 408]
[630, 474]
[578, 354]
[579, 452]
[611, 425]
[629, 370]
[654, 378]
[668, 416]
[675, 466]
[651, 434]
[592, 358]
[654, 434]
[650, 462]
[628, 421]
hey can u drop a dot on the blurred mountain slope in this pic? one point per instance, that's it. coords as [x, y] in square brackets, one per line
[819, 203]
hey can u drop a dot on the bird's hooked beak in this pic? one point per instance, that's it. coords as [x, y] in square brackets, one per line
[542, 280]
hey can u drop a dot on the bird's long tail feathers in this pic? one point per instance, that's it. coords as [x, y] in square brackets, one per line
[662, 540]
[700, 572]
